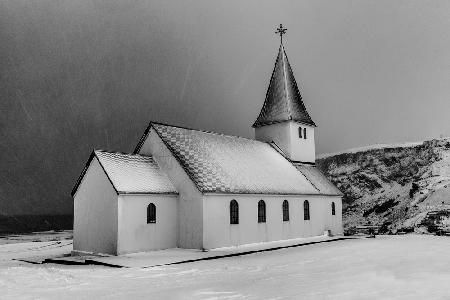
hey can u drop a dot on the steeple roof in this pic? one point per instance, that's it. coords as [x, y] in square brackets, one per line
[283, 100]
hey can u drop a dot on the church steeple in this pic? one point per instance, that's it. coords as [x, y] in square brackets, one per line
[283, 118]
[283, 100]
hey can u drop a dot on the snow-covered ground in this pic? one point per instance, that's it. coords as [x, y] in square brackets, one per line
[389, 267]
[42, 236]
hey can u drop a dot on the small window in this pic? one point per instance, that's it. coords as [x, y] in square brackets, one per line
[306, 215]
[304, 133]
[285, 210]
[234, 212]
[151, 213]
[261, 211]
[300, 132]
[333, 208]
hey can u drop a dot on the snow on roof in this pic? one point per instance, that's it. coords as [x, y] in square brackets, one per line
[227, 164]
[318, 179]
[130, 173]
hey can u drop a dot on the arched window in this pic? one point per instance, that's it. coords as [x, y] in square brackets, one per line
[300, 132]
[151, 213]
[261, 211]
[285, 210]
[306, 215]
[304, 133]
[234, 212]
[333, 208]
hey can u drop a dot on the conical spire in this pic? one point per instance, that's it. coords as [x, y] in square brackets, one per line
[283, 100]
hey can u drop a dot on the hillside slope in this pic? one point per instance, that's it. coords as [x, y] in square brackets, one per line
[393, 186]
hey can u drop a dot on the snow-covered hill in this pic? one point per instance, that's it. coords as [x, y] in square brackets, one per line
[396, 186]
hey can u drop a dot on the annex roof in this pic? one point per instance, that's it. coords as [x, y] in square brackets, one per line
[283, 100]
[131, 173]
[318, 179]
[219, 163]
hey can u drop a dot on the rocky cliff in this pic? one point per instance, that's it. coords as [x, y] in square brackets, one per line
[399, 187]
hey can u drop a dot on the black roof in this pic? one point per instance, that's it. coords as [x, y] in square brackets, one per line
[283, 100]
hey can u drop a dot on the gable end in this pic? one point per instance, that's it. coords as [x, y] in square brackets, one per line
[86, 167]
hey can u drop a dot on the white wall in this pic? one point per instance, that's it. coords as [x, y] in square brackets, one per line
[135, 234]
[190, 200]
[302, 149]
[218, 232]
[95, 213]
[278, 133]
[286, 136]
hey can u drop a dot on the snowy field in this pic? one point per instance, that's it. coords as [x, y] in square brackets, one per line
[390, 267]
[42, 236]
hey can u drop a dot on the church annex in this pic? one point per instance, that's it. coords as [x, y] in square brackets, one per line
[196, 189]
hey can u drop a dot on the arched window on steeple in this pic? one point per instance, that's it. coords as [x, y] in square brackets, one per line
[333, 209]
[300, 132]
[304, 133]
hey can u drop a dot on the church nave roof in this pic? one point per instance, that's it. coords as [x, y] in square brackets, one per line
[219, 163]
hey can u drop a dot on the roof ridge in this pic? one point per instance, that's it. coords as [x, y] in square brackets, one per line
[283, 56]
[120, 152]
[208, 131]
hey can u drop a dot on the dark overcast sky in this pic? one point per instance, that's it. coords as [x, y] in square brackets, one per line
[78, 75]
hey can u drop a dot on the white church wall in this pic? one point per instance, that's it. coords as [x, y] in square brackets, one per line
[321, 217]
[190, 200]
[278, 133]
[135, 234]
[286, 136]
[218, 232]
[336, 222]
[95, 213]
[302, 149]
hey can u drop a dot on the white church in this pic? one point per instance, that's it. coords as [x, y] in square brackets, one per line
[196, 189]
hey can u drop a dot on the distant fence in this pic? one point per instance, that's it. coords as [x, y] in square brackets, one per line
[368, 229]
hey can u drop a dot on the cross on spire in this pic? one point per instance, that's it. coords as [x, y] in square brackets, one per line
[281, 30]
